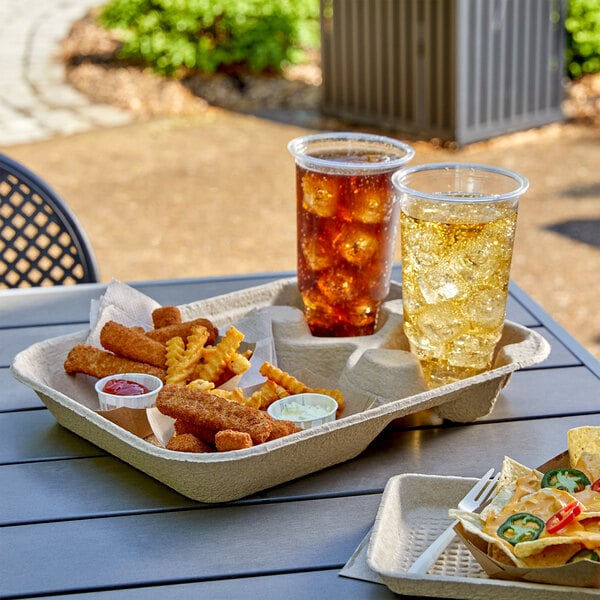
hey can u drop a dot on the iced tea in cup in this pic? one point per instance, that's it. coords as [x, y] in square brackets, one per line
[457, 230]
[347, 219]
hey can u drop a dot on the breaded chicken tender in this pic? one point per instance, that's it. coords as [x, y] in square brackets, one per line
[130, 343]
[183, 330]
[211, 412]
[98, 363]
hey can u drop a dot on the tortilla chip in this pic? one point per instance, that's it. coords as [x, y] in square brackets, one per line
[584, 449]
[551, 555]
[473, 523]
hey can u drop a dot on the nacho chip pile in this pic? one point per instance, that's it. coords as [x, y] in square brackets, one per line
[545, 519]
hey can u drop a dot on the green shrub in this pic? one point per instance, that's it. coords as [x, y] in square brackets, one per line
[583, 37]
[173, 36]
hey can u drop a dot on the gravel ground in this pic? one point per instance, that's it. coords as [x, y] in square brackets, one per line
[191, 189]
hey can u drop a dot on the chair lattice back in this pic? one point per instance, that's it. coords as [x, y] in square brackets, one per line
[41, 241]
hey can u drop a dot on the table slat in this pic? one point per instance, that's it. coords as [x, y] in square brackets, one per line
[197, 544]
[71, 304]
[291, 586]
[77, 489]
[35, 435]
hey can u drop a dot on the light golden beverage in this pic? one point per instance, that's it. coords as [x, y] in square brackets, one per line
[347, 221]
[455, 297]
[456, 254]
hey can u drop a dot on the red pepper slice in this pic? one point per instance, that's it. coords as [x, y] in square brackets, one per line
[563, 517]
[596, 485]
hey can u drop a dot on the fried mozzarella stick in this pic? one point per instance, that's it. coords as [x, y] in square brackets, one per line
[213, 413]
[99, 363]
[281, 428]
[164, 316]
[187, 442]
[130, 343]
[228, 439]
[183, 330]
[202, 433]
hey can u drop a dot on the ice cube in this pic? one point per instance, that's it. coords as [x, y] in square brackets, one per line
[486, 307]
[338, 285]
[356, 245]
[441, 323]
[368, 204]
[478, 260]
[317, 254]
[439, 284]
[320, 194]
[471, 351]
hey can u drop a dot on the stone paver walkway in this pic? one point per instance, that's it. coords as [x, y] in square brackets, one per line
[36, 103]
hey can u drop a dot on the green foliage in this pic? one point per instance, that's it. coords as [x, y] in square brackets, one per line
[583, 37]
[209, 35]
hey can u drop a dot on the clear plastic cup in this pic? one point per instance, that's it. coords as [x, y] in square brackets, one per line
[347, 219]
[458, 224]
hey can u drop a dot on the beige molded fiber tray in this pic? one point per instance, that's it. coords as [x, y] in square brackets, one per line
[379, 378]
[412, 513]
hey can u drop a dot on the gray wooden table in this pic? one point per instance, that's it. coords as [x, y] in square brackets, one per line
[79, 523]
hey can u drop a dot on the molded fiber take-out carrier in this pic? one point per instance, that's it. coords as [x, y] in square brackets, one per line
[381, 380]
[414, 511]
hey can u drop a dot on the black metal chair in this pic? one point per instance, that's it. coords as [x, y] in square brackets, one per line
[41, 241]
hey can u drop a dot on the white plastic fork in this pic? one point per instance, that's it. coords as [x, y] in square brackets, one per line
[478, 494]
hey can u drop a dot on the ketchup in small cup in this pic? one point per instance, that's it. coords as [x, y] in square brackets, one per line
[128, 390]
[124, 387]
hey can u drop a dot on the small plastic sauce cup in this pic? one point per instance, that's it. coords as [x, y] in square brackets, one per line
[305, 410]
[111, 401]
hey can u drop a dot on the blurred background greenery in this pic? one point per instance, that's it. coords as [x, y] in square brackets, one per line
[175, 37]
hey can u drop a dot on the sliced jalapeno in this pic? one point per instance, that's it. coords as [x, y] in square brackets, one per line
[585, 554]
[521, 527]
[565, 478]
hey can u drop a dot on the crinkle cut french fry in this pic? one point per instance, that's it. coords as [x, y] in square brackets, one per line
[218, 358]
[182, 364]
[202, 385]
[293, 386]
[285, 380]
[267, 393]
[175, 352]
[194, 348]
[238, 363]
[237, 395]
